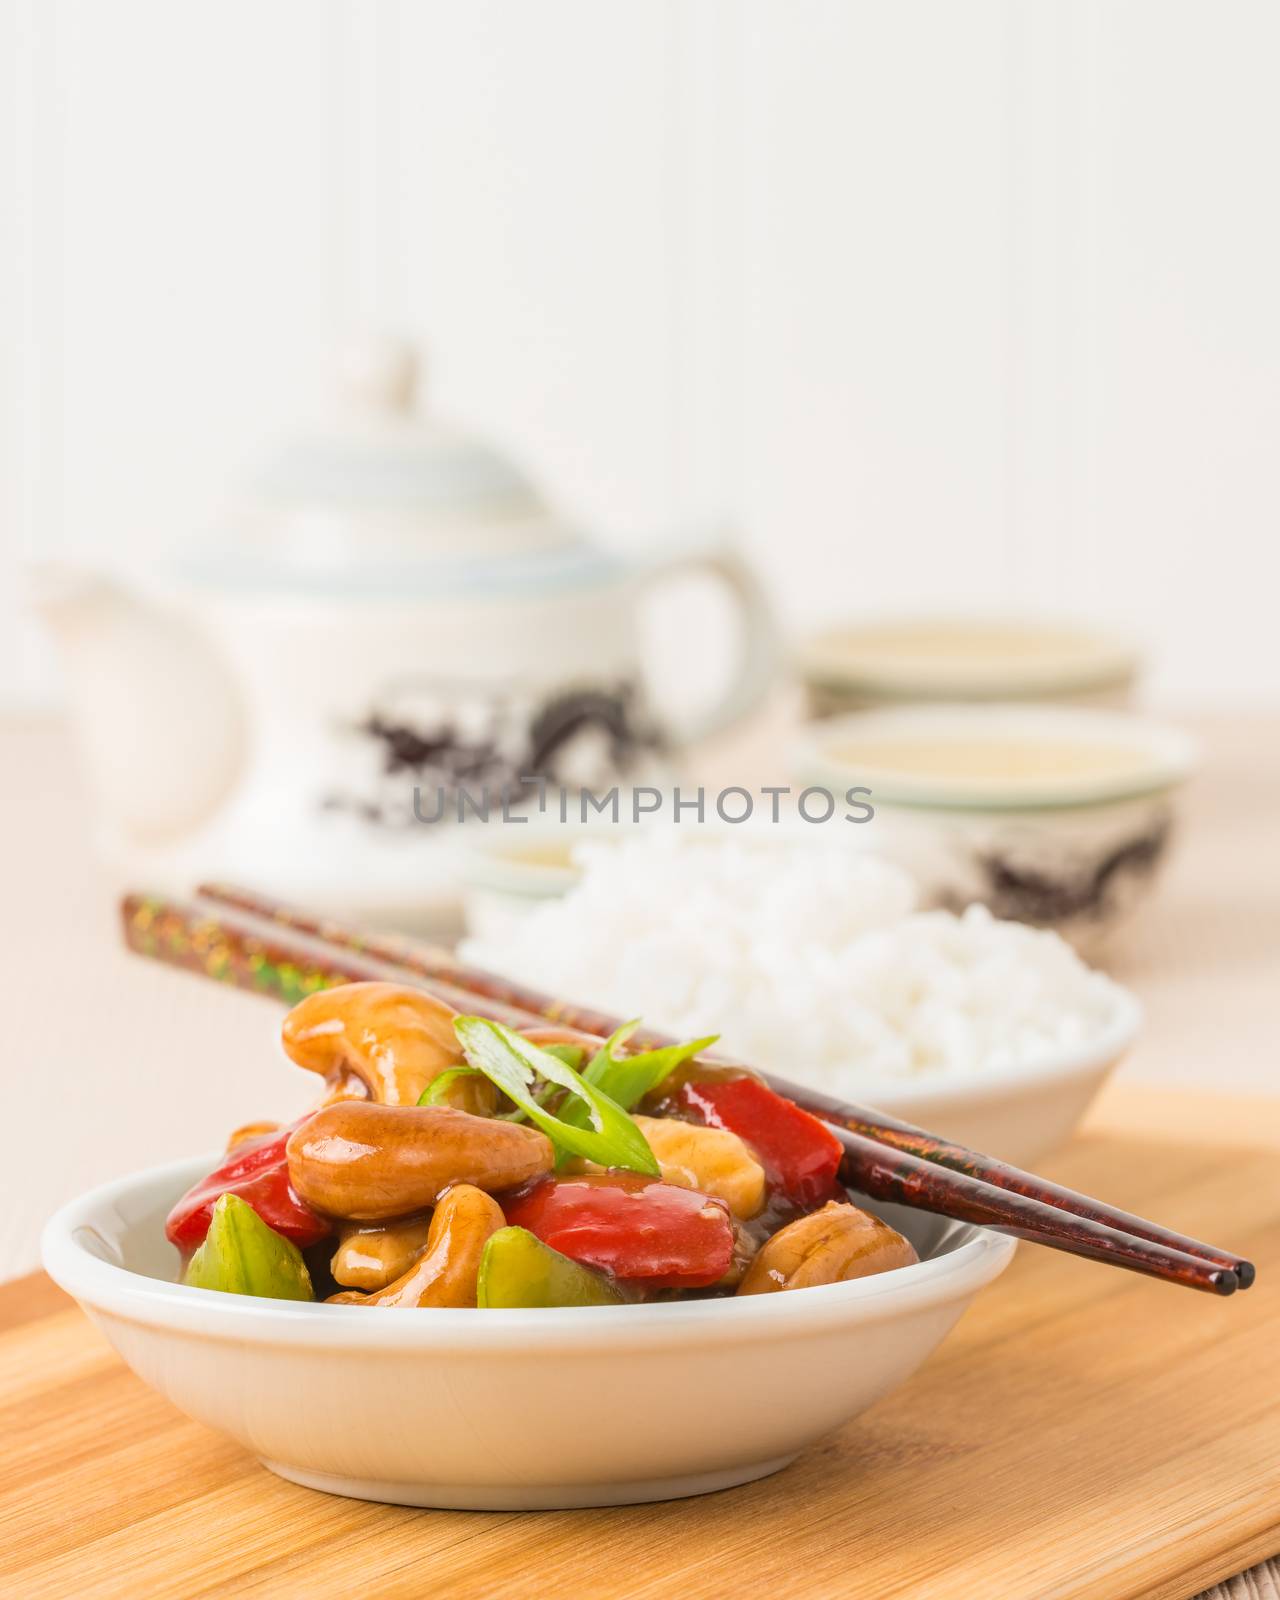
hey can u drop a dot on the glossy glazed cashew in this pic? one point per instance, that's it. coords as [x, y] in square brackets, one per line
[370, 1258]
[832, 1245]
[710, 1159]
[445, 1274]
[369, 1163]
[393, 1038]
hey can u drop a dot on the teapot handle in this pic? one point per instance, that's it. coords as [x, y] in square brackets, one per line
[755, 671]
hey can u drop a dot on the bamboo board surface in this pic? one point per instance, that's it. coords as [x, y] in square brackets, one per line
[1083, 1433]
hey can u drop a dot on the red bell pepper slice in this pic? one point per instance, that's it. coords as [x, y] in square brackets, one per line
[799, 1153]
[258, 1172]
[641, 1230]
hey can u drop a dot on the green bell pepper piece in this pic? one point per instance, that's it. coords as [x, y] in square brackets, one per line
[517, 1270]
[242, 1255]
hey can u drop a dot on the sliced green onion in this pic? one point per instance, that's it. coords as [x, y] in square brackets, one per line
[437, 1091]
[627, 1079]
[573, 1055]
[608, 1135]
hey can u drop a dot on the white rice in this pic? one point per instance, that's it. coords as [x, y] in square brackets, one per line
[808, 958]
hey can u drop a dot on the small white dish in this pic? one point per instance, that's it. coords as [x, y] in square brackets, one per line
[511, 1410]
[895, 661]
[508, 871]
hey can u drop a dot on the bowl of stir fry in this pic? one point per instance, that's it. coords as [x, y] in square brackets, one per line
[441, 1285]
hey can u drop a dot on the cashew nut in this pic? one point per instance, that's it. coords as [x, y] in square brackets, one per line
[369, 1163]
[710, 1159]
[828, 1246]
[372, 1257]
[445, 1273]
[393, 1038]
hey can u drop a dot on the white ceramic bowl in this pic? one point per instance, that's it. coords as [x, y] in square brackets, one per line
[511, 1410]
[1018, 1113]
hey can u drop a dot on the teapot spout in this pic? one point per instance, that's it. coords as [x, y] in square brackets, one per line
[157, 712]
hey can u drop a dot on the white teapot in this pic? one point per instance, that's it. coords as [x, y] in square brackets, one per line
[397, 609]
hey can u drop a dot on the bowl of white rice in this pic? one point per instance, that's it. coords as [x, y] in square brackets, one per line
[812, 960]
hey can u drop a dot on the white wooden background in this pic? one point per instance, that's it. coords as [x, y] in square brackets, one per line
[942, 303]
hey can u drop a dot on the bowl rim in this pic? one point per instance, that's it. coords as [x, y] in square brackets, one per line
[982, 1084]
[100, 1285]
[1173, 753]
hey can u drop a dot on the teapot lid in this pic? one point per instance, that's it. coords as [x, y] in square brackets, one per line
[373, 496]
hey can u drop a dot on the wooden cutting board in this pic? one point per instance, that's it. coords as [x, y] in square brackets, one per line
[1082, 1433]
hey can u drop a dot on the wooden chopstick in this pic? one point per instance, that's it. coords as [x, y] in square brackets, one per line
[884, 1173]
[237, 938]
[441, 965]
[910, 1140]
